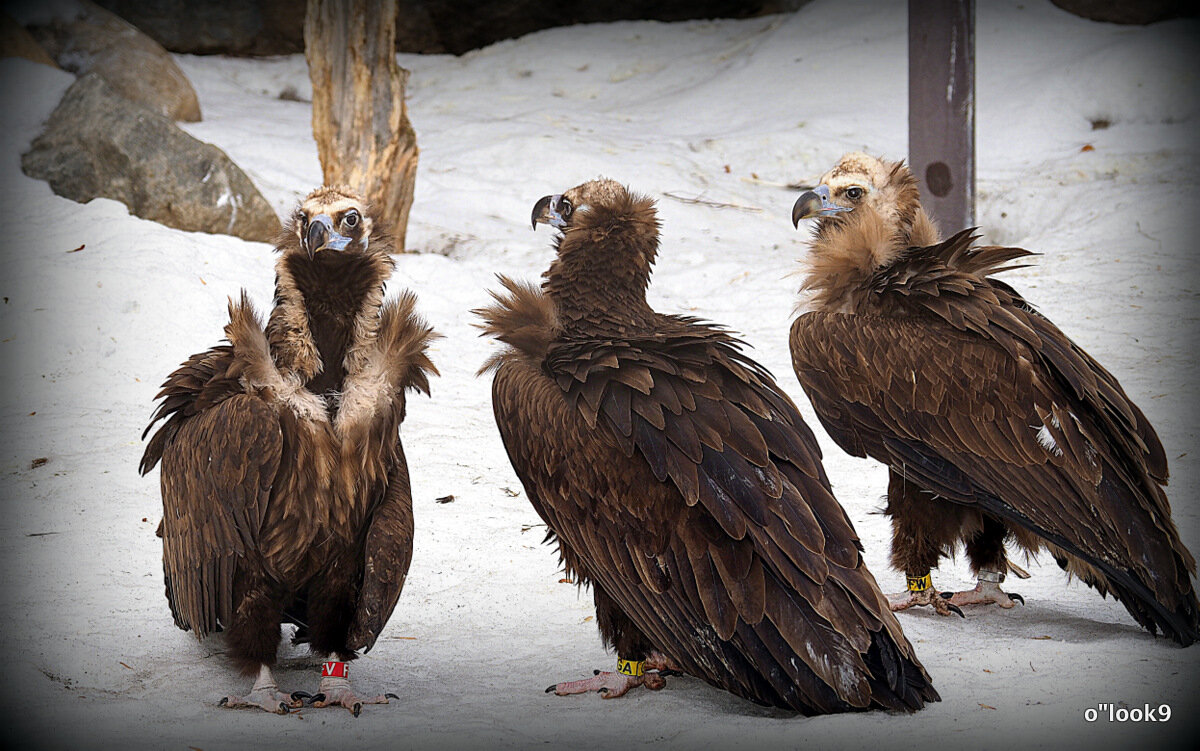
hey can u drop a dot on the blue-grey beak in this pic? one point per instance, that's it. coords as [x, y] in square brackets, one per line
[553, 210]
[321, 236]
[815, 202]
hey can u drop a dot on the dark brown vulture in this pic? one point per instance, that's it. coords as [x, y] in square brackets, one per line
[682, 484]
[993, 423]
[284, 486]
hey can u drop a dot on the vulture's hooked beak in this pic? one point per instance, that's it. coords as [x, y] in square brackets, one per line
[321, 235]
[553, 210]
[815, 202]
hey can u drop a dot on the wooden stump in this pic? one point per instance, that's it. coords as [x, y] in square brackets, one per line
[360, 123]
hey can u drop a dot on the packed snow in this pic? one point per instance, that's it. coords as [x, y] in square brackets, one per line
[1086, 154]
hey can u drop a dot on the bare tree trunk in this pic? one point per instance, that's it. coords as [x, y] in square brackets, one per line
[362, 130]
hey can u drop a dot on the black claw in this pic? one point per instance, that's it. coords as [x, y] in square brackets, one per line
[956, 609]
[357, 710]
[284, 708]
[301, 696]
[668, 672]
[946, 595]
[550, 689]
[595, 672]
[1016, 597]
[224, 701]
[391, 696]
[603, 691]
[319, 696]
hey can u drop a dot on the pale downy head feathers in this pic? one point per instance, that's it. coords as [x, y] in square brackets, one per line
[884, 218]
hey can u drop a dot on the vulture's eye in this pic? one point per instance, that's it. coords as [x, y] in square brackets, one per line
[854, 193]
[351, 218]
[565, 208]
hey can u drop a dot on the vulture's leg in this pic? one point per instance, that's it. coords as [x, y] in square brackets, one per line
[661, 664]
[264, 695]
[986, 553]
[253, 638]
[633, 652]
[922, 528]
[330, 610]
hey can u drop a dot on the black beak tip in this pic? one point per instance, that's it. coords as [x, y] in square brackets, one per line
[315, 237]
[539, 209]
[806, 205]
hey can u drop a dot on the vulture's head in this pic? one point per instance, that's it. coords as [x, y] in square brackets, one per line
[862, 184]
[334, 220]
[868, 213]
[609, 235]
[560, 210]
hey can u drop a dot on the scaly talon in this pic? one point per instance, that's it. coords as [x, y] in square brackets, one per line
[608, 685]
[985, 593]
[336, 692]
[264, 695]
[940, 601]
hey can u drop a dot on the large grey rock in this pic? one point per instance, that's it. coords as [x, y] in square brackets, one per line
[98, 143]
[84, 38]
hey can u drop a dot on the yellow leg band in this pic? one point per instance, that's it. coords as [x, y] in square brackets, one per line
[630, 667]
[920, 583]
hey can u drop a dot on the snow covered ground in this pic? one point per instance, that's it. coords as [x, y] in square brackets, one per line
[726, 112]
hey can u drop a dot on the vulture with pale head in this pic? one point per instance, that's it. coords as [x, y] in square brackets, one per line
[681, 483]
[994, 425]
[284, 486]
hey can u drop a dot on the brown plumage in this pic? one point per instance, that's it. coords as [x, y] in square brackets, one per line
[992, 421]
[284, 485]
[681, 483]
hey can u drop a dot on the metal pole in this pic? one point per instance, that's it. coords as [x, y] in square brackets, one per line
[941, 108]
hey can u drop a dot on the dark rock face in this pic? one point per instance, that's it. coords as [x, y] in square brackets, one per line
[99, 144]
[1122, 11]
[15, 41]
[276, 27]
[94, 40]
[205, 27]
[464, 26]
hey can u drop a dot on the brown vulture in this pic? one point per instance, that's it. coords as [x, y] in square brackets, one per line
[681, 483]
[994, 425]
[284, 485]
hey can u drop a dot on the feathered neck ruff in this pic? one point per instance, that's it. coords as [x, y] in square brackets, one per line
[350, 288]
[598, 280]
[848, 251]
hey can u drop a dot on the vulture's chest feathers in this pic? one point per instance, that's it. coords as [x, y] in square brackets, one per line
[340, 457]
[335, 289]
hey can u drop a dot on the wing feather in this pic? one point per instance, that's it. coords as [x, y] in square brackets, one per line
[706, 534]
[387, 555]
[1030, 428]
[217, 471]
